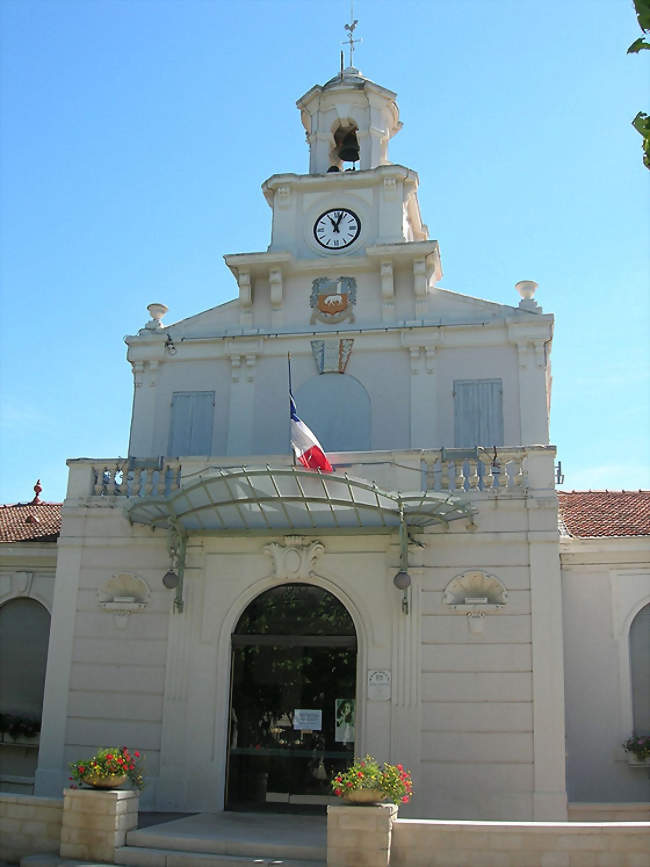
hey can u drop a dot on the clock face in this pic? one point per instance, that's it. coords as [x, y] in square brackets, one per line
[337, 229]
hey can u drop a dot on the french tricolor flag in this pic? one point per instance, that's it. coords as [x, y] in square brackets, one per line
[305, 445]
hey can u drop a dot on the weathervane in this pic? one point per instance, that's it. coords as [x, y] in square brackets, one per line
[350, 28]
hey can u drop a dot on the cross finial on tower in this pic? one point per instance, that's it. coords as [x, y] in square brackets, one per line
[351, 41]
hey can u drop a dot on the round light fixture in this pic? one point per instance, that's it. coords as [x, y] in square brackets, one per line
[402, 580]
[170, 579]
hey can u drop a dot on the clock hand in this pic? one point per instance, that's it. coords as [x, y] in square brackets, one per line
[338, 222]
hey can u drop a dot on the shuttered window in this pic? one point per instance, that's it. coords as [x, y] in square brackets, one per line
[478, 412]
[190, 431]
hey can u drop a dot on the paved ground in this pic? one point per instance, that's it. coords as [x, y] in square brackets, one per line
[147, 819]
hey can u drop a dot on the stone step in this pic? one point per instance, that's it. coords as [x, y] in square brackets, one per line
[139, 856]
[251, 837]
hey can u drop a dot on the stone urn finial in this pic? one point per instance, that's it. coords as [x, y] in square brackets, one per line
[37, 490]
[156, 311]
[526, 289]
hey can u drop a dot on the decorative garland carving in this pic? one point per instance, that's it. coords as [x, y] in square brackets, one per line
[296, 558]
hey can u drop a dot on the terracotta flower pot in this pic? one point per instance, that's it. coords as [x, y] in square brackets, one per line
[364, 796]
[111, 782]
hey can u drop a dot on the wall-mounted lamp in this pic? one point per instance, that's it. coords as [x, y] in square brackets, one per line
[402, 579]
[173, 577]
[170, 579]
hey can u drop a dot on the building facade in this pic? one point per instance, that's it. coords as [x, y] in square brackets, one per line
[250, 624]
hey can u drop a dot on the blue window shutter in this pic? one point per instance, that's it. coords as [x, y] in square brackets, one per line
[478, 412]
[192, 415]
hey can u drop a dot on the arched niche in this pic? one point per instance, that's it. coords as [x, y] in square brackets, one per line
[640, 670]
[24, 637]
[337, 409]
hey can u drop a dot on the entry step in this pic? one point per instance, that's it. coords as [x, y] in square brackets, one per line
[138, 856]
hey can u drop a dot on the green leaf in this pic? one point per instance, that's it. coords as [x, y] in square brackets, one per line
[638, 45]
[641, 124]
[642, 8]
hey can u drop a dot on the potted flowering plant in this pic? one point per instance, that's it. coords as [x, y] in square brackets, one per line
[639, 746]
[109, 768]
[366, 782]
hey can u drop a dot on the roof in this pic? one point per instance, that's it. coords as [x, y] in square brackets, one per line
[35, 521]
[604, 513]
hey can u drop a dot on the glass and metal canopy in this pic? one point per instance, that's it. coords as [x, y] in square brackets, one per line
[276, 500]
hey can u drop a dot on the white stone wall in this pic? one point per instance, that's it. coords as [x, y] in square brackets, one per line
[605, 583]
[106, 668]
[29, 825]
[466, 694]
[438, 844]
[409, 377]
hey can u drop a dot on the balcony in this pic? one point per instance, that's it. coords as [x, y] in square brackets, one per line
[369, 491]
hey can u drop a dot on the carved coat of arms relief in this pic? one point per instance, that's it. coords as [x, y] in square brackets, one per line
[333, 299]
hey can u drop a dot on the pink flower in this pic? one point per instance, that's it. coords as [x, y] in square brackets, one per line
[405, 798]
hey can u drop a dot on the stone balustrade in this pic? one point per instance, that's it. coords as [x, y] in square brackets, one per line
[469, 471]
[455, 470]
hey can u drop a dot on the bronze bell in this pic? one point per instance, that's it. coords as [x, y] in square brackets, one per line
[349, 148]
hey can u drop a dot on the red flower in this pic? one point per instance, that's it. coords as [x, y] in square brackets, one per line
[81, 769]
[400, 767]
[132, 767]
[338, 791]
[349, 783]
[360, 774]
[109, 757]
[405, 798]
[136, 754]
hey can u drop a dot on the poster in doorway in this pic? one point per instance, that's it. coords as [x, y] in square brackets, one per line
[344, 716]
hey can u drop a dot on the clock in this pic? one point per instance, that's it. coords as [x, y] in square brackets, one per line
[337, 228]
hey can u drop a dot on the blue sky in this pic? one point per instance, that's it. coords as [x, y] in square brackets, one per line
[136, 134]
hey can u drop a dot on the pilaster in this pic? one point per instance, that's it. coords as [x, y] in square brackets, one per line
[406, 667]
[145, 379]
[243, 361]
[51, 771]
[387, 291]
[549, 793]
[422, 385]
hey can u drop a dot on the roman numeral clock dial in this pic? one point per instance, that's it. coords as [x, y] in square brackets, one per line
[337, 228]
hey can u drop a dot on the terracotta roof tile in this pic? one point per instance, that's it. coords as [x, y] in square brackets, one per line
[30, 522]
[605, 513]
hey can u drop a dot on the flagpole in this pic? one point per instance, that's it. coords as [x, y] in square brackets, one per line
[293, 453]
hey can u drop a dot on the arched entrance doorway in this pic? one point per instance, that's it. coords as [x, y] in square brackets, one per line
[292, 699]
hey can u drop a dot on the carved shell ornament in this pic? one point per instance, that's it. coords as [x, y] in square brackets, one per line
[475, 588]
[124, 587]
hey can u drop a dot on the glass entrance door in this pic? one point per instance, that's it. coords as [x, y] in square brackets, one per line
[292, 707]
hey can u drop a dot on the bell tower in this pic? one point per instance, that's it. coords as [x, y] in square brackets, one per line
[348, 120]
